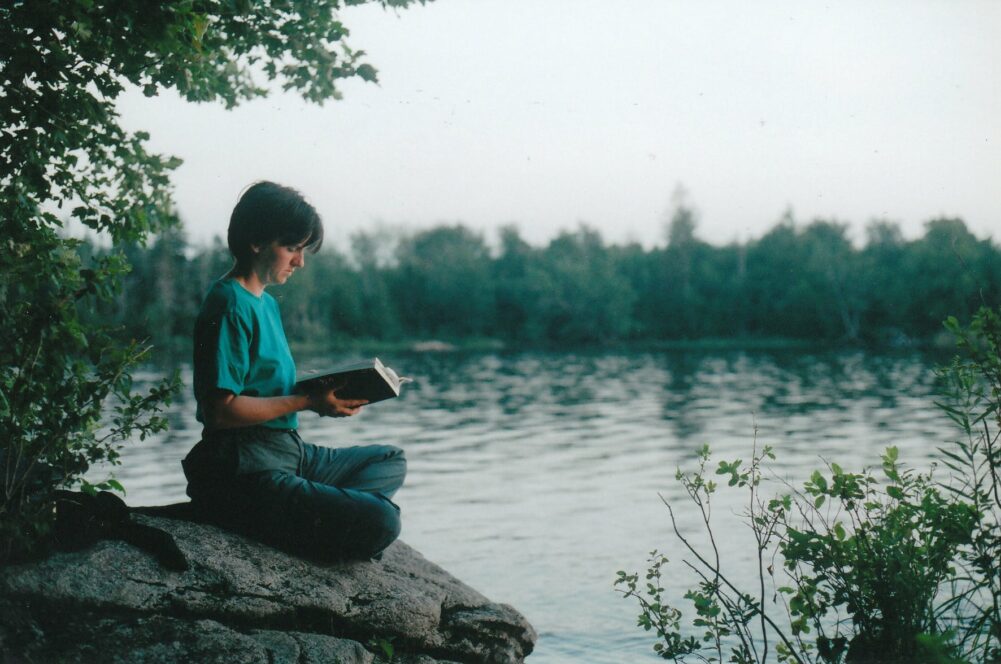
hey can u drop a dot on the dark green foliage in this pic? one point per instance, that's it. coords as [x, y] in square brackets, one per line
[888, 566]
[65, 158]
[802, 283]
[441, 283]
[972, 399]
[883, 560]
[584, 299]
[952, 269]
[58, 376]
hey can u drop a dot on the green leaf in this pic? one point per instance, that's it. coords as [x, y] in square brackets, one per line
[818, 481]
[368, 73]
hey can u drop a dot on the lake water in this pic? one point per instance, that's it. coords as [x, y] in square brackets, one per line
[534, 477]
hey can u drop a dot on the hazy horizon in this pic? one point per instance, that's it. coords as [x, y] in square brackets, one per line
[546, 115]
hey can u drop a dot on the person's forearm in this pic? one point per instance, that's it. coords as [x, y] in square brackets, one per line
[243, 411]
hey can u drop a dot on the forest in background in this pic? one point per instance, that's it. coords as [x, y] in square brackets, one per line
[805, 282]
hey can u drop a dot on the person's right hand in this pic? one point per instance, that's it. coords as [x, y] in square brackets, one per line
[326, 404]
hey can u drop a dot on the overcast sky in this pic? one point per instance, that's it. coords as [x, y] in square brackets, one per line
[549, 113]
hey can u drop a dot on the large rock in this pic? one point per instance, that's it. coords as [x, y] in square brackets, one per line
[241, 601]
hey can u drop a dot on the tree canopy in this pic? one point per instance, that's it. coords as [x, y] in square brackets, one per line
[798, 281]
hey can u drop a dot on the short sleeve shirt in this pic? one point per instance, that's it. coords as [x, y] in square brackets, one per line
[240, 346]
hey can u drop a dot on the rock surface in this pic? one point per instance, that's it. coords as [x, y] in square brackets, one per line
[241, 601]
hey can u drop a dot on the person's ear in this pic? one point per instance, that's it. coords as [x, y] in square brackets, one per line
[256, 248]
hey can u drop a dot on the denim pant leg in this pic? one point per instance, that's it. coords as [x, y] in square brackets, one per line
[317, 520]
[335, 507]
[315, 501]
[370, 468]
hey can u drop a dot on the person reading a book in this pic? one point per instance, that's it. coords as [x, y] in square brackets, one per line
[252, 472]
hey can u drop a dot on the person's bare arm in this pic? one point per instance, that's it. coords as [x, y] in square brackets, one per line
[227, 410]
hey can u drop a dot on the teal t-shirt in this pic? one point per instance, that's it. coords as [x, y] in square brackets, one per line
[240, 346]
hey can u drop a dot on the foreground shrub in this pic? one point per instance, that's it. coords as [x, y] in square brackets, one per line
[891, 565]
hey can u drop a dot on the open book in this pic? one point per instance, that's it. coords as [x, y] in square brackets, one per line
[367, 379]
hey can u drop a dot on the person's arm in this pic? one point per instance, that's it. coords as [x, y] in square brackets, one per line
[226, 410]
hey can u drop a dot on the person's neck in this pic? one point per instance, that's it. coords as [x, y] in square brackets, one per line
[250, 282]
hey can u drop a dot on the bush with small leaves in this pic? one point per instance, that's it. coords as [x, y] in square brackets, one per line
[892, 565]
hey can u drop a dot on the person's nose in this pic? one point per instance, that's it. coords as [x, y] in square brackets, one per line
[299, 258]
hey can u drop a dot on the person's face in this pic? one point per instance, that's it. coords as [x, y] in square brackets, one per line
[276, 262]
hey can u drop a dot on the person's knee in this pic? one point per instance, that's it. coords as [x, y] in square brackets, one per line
[389, 471]
[386, 525]
[373, 527]
[380, 528]
[399, 457]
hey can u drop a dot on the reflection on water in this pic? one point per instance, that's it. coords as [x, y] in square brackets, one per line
[535, 477]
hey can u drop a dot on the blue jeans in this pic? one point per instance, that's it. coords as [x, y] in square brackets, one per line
[324, 503]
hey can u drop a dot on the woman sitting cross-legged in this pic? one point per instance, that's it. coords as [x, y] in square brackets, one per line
[251, 472]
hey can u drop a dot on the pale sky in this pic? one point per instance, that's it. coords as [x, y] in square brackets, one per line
[549, 113]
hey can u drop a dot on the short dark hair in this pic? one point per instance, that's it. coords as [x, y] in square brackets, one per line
[269, 212]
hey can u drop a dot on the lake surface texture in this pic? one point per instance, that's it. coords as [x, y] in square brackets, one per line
[535, 477]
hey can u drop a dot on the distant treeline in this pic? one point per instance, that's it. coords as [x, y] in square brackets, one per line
[797, 281]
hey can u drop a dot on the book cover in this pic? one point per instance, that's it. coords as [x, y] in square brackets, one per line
[367, 379]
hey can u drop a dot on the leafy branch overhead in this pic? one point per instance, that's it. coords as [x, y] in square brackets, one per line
[64, 63]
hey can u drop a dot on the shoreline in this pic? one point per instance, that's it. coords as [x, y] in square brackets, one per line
[180, 349]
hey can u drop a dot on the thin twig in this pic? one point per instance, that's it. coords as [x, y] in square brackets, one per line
[771, 623]
[731, 607]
